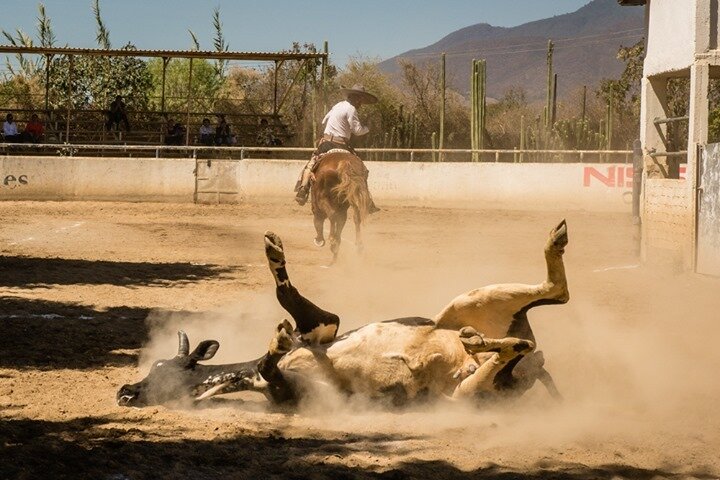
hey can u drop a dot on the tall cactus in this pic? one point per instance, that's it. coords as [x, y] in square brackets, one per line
[477, 103]
[550, 88]
[522, 137]
[442, 102]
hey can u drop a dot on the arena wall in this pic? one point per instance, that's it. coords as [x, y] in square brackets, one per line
[527, 186]
[593, 187]
[88, 178]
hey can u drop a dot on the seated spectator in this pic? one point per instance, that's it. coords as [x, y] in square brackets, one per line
[266, 135]
[174, 133]
[10, 130]
[222, 132]
[34, 130]
[207, 133]
[117, 114]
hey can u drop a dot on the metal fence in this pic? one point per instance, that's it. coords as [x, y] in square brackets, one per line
[301, 153]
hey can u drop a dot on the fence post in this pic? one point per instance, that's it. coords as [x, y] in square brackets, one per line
[637, 180]
[433, 141]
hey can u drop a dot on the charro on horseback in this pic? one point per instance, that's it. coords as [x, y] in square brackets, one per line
[341, 125]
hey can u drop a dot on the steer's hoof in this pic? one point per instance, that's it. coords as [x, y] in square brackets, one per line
[471, 340]
[282, 342]
[559, 237]
[274, 249]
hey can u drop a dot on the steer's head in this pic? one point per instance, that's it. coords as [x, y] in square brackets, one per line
[175, 379]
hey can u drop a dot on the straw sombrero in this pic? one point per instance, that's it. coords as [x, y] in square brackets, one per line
[360, 92]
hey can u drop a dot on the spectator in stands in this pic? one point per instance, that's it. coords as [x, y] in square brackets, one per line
[10, 130]
[117, 114]
[222, 131]
[207, 133]
[266, 135]
[34, 130]
[174, 133]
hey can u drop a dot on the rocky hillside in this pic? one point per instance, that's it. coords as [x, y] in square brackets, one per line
[586, 43]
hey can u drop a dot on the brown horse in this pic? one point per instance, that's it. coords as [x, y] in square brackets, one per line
[340, 183]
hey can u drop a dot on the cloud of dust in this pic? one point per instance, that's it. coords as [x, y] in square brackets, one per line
[632, 353]
[243, 328]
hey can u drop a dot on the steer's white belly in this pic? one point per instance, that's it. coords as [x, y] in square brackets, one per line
[403, 358]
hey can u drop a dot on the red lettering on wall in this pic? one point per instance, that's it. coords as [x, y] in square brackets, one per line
[592, 172]
[620, 177]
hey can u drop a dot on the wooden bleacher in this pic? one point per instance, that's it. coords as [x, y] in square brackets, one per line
[147, 127]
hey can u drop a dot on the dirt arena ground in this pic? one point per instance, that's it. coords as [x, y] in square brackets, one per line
[91, 293]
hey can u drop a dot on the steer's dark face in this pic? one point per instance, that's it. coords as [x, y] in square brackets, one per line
[171, 380]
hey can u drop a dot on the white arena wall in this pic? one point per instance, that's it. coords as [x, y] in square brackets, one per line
[94, 178]
[514, 186]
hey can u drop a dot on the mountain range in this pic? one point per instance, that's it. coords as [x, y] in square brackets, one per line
[586, 44]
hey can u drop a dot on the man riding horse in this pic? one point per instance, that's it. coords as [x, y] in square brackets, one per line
[341, 125]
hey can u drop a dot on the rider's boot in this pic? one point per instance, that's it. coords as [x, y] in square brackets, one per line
[373, 208]
[302, 195]
[303, 186]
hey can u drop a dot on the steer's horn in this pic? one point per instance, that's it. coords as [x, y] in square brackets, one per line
[183, 344]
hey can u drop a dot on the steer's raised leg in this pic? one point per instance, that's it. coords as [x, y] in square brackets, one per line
[491, 374]
[279, 389]
[501, 310]
[314, 324]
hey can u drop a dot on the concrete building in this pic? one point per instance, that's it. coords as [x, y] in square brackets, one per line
[679, 215]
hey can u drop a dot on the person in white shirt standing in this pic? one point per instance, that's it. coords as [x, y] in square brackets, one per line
[341, 125]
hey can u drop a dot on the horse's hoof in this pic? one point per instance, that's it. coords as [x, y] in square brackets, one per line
[319, 243]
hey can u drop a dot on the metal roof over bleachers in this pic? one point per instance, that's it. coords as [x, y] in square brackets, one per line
[213, 55]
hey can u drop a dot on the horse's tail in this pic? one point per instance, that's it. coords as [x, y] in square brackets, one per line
[353, 187]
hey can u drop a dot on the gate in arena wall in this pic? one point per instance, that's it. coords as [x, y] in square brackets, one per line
[216, 181]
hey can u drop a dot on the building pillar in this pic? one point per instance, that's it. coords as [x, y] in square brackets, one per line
[652, 136]
[697, 135]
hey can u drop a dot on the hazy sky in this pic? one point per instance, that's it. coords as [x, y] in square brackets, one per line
[372, 28]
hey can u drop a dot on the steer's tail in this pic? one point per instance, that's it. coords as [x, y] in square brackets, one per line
[353, 186]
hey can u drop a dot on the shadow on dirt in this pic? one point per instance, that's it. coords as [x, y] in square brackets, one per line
[52, 335]
[113, 449]
[30, 272]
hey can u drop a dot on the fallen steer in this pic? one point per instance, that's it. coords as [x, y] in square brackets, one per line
[399, 360]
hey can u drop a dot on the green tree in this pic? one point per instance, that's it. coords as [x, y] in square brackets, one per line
[96, 81]
[23, 84]
[205, 85]
[623, 94]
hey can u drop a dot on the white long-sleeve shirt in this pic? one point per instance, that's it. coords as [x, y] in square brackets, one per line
[10, 129]
[342, 121]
